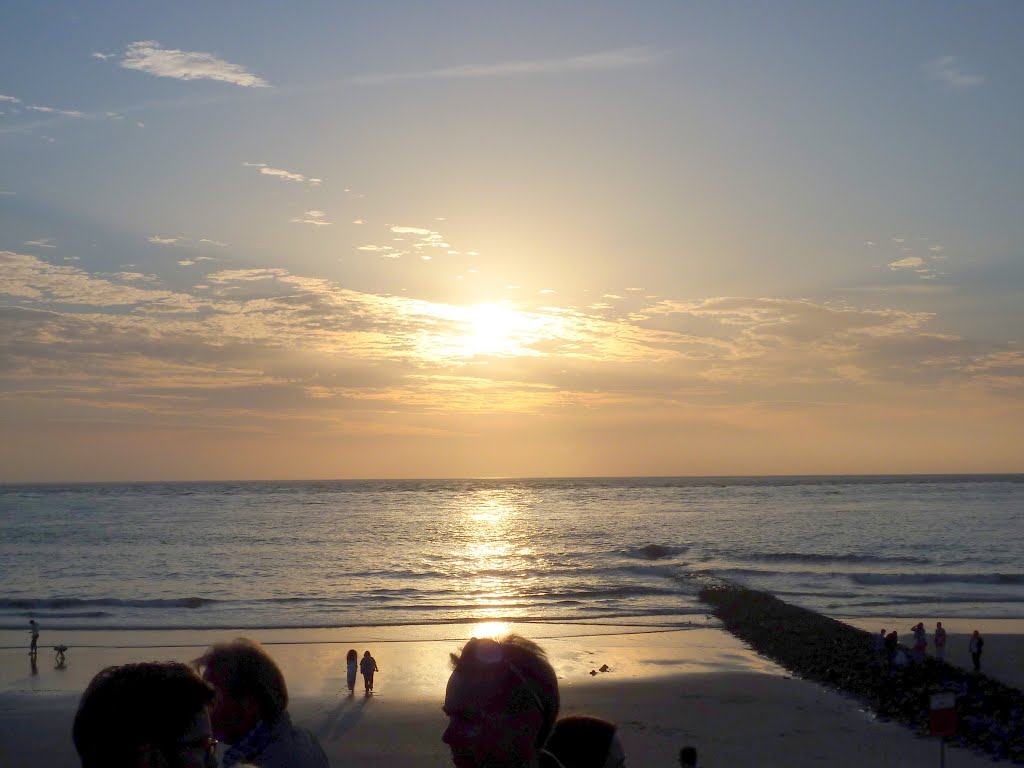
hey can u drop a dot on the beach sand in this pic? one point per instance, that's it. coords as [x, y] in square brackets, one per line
[696, 686]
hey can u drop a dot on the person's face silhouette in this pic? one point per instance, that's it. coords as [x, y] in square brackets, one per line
[480, 732]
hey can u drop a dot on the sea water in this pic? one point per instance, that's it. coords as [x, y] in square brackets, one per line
[604, 550]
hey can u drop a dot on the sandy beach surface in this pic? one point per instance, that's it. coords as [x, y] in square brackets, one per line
[665, 688]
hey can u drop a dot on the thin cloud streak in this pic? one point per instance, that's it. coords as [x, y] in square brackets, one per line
[602, 61]
[947, 70]
[149, 57]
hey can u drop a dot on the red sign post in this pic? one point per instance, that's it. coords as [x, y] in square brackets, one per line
[942, 719]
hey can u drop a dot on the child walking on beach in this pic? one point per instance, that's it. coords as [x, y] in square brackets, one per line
[351, 661]
[368, 666]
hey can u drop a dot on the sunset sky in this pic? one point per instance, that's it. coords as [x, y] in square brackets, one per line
[258, 239]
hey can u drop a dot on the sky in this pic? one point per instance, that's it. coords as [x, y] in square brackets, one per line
[263, 240]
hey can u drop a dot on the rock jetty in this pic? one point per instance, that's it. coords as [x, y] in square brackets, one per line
[990, 715]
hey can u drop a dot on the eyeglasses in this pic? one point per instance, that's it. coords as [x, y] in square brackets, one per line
[487, 652]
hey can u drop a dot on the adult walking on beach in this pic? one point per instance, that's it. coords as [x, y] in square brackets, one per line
[351, 667]
[250, 711]
[368, 665]
[976, 645]
[940, 641]
[501, 702]
[33, 627]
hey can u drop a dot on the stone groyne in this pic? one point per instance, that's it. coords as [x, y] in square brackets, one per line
[990, 715]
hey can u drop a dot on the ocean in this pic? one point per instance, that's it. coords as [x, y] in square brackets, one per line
[592, 550]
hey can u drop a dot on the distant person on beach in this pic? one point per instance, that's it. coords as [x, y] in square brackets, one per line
[351, 667]
[502, 702]
[878, 646]
[250, 711]
[33, 627]
[586, 742]
[368, 665]
[892, 641]
[143, 716]
[976, 646]
[940, 641]
[688, 755]
[920, 642]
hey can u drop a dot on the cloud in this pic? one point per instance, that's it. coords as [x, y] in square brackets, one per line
[54, 111]
[12, 99]
[43, 242]
[316, 218]
[147, 56]
[602, 61]
[947, 70]
[283, 174]
[217, 243]
[159, 240]
[411, 231]
[910, 262]
[103, 56]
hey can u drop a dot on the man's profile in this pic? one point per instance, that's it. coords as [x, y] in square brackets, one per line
[251, 709]
[502, 702]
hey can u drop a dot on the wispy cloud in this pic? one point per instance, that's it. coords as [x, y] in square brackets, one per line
[43, 242]
[148, 56]
[55, 111]
[947, 70]
[280, 173]
[602, 61]
[160, 240]
[315, 218]
[11, 99]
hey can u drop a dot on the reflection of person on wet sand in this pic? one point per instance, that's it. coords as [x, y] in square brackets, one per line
[59, 658]
[34, 629]
[368, 666]
[32, 663]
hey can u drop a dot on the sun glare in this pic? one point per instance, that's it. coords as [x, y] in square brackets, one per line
[495, 329]
[493, 629]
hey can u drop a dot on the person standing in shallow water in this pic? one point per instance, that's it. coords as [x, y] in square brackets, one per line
[34, 629]
[352, 665]
[368, 665]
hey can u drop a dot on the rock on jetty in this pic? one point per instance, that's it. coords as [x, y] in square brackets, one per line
[990, 715]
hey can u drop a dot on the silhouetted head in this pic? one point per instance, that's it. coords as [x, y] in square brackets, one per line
[938, 624]
[352, 655]
[688, 757]
[586, 742]
[975, 633]
[501, 702]
[249, 686]
[150, 715]
[367, 653]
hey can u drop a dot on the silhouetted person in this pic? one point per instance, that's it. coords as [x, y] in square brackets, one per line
[940, 641]
[976, 646]
[891, 644]
[586, 742]
[351, 667]
[502, 702]
[33, 627]
[368, 665]
[688, 755]
[145, 716]
[920, 641]
[250, 711]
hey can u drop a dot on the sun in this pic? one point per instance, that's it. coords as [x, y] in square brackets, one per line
[493, 329]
